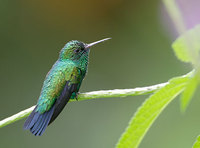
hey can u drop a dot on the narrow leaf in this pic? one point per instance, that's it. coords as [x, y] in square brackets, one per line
[149, 111]
[197, 143]
[189, 92]
[187, 46]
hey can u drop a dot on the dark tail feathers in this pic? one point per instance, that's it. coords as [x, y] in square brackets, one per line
[37, 123]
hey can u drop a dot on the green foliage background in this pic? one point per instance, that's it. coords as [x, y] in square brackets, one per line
[33, 32]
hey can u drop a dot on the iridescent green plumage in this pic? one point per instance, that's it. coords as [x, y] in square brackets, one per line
[61, 83]
[68, 69]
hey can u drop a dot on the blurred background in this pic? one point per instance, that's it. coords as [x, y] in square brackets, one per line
[139, 54]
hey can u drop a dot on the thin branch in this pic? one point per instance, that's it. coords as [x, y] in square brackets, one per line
[93, 95]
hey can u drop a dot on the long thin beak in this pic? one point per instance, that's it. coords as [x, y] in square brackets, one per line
[94, 43]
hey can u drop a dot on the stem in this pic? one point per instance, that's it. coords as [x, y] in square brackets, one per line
[91, 95]
[96, 94]
[175, 14]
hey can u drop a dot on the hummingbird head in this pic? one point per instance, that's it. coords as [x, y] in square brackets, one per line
[75, 50]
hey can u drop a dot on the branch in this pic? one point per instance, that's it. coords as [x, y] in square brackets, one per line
[91, 95]
[96, 94]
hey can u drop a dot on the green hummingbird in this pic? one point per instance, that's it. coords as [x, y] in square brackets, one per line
[61, 84]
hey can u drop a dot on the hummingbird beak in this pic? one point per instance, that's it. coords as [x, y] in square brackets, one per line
[94, 43]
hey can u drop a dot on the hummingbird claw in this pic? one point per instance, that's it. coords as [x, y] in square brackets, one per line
[76, 97]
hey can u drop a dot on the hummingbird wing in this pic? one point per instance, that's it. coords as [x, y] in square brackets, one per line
[38, 121]
[70, 90]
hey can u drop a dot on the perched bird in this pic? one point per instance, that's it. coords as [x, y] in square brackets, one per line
[61, 84]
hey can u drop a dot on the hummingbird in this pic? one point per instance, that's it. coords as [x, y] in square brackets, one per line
[61, 84]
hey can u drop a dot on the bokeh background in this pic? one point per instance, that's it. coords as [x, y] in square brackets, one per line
[139, 54]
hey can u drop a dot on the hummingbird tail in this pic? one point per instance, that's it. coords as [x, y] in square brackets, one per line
[37, 123]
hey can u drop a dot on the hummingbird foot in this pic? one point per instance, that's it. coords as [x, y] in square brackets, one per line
[76, 97]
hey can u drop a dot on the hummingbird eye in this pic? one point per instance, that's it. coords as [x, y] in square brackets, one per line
[78, 50]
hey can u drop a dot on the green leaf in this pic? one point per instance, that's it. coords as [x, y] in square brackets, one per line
[197, 143]
[189, 92]
[149, 111]
[187, 46]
